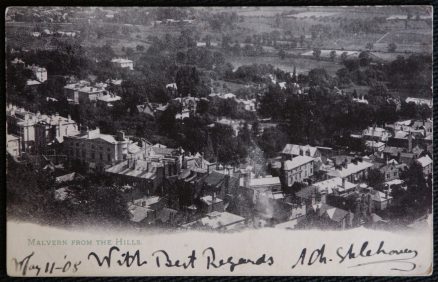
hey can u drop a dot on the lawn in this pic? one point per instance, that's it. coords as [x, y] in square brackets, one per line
[303, 65]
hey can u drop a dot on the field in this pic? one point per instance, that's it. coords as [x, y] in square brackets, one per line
[303, 65]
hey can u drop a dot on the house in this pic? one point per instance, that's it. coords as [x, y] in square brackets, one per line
[427, 164]
[95, 149]
[68, 178]
[262, 184]
[297, 170]
[246, 105]
[13, 145]
[375, 146]
[83, 92]
[403, 139]
[172, 85]
[333, 217]
[336, 185]
[391, 170]
[361, 100]
[114, 82]
[31, 82]
[146, 173]
[145, 210]
[320, 213]
[420, 101]
[236, 125]
[152, 109]
[24, 124]
[211, 203]
[353, 172]
[39, 72]
[18, 62]
[381, 200]
[373, 133]
[218, 221]
[52, 130]
[107, 99]
[292, 150]
[217, 183]
[223, 96]
[391, 152]
[123, 63]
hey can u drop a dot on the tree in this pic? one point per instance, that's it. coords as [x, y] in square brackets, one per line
[344, 56]
[392, 47]
[364, 58]
[418, 197]
[129, 51]
[139, 48]
[333, 55]
[375, 178]
[281, 54]
[316, 53]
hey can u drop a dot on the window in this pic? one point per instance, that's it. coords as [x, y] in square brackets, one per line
[101, 156]
[92, 155]
[388, 175]
[108, 149]
[77, 144]
[92, 146]
[311, 170]
[83, 154]
[109, 157]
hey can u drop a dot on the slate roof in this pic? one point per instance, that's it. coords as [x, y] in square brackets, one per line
[293, 149]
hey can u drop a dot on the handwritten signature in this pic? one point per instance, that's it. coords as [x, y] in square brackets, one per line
[400, 259]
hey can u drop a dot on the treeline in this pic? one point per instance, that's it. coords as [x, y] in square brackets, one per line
[320, 116]
[413, 73]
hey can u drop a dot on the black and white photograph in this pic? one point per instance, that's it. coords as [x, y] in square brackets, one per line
[145, 141]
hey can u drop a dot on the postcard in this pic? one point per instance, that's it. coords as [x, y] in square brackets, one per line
[219, 141]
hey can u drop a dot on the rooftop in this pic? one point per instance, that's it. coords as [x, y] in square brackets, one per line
[95, 134]
[121, 60]
[350, 169]
[293, 149]
[135, 168]
[425, 161]
[217, 220]
[296, 162]
[333, 183]
[209, 200]
[262, 181]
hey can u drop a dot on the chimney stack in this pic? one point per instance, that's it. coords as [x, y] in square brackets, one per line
[246, 179]
[120, 135]
[410, 142]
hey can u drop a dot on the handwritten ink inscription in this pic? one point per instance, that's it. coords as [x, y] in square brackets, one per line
[352, 256]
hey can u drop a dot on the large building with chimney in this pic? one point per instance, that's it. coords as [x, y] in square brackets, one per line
[354, 172]
[95, 149]
[52, 130]
[297, 169]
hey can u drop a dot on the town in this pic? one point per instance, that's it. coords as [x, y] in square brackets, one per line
[172, 133]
